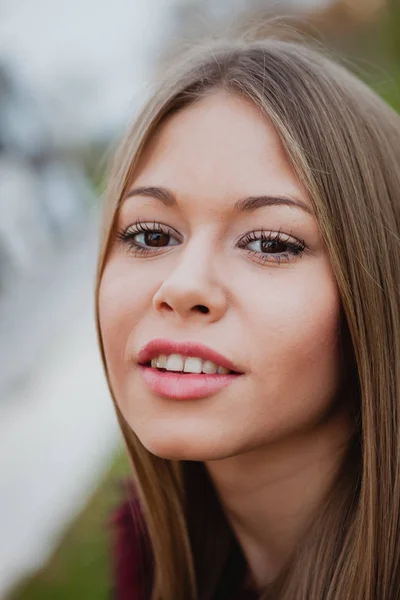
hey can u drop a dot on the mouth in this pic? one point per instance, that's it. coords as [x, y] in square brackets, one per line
[185, 357]
[179, 385]
[186, 366]
[184, 370]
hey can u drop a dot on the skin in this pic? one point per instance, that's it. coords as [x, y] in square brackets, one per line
[273, 439]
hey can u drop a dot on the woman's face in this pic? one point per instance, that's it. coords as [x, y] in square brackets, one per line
[208, 276]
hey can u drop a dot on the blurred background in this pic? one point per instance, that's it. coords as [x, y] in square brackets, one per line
[72, 76]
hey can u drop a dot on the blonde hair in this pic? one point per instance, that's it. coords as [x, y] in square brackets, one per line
[344, 144]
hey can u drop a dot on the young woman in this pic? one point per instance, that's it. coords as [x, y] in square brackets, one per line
[249, 321]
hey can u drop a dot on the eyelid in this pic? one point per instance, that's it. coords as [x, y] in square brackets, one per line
[143, 224]
[256, 234]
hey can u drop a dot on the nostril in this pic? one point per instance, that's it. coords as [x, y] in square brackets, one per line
[166, 306]
[202, 308]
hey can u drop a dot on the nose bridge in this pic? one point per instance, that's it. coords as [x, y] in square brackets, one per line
[197, 259]
[193, 281]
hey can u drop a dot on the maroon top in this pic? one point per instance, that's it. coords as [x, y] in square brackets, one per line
[132, 564]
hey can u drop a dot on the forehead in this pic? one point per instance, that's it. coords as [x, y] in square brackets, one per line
[219, 147]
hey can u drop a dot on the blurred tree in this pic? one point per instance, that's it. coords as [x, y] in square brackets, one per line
[394, 21]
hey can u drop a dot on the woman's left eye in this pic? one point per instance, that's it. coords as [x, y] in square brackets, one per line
[272, 246]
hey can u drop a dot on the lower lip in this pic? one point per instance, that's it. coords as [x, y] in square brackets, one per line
[185, 387]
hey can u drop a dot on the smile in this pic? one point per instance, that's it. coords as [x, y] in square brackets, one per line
[184, 369]
[188, 364]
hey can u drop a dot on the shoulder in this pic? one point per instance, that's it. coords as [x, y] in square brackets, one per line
[130, 549]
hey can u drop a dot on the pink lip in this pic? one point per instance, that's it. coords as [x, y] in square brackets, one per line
[164, 346]
[184, 386]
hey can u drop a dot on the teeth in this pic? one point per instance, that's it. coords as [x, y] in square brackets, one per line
[193, 365]
[161, 361]
[174, 362]
[190, 364]
[209, 367]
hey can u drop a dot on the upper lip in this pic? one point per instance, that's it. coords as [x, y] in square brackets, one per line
[186, 348]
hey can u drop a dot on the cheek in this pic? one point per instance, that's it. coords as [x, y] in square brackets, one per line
[297, 359]
[123, 299]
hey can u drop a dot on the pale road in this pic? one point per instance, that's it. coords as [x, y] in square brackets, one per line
[57, 426]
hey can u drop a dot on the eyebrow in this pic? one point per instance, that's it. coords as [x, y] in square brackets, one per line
[247, 204]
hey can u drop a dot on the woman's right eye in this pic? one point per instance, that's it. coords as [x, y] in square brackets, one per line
[142, 238]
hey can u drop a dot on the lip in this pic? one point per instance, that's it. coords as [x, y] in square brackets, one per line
[159, 346]
[189, 386]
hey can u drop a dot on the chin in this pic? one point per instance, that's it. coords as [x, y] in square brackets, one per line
[183, 447]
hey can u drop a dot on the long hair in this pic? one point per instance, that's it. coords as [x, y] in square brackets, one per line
[344, 143]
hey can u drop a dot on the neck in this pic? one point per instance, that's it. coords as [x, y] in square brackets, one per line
[270, 494]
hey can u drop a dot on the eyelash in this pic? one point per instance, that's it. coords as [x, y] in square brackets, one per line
[295, 247]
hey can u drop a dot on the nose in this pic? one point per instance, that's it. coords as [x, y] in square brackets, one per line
[193, 289]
